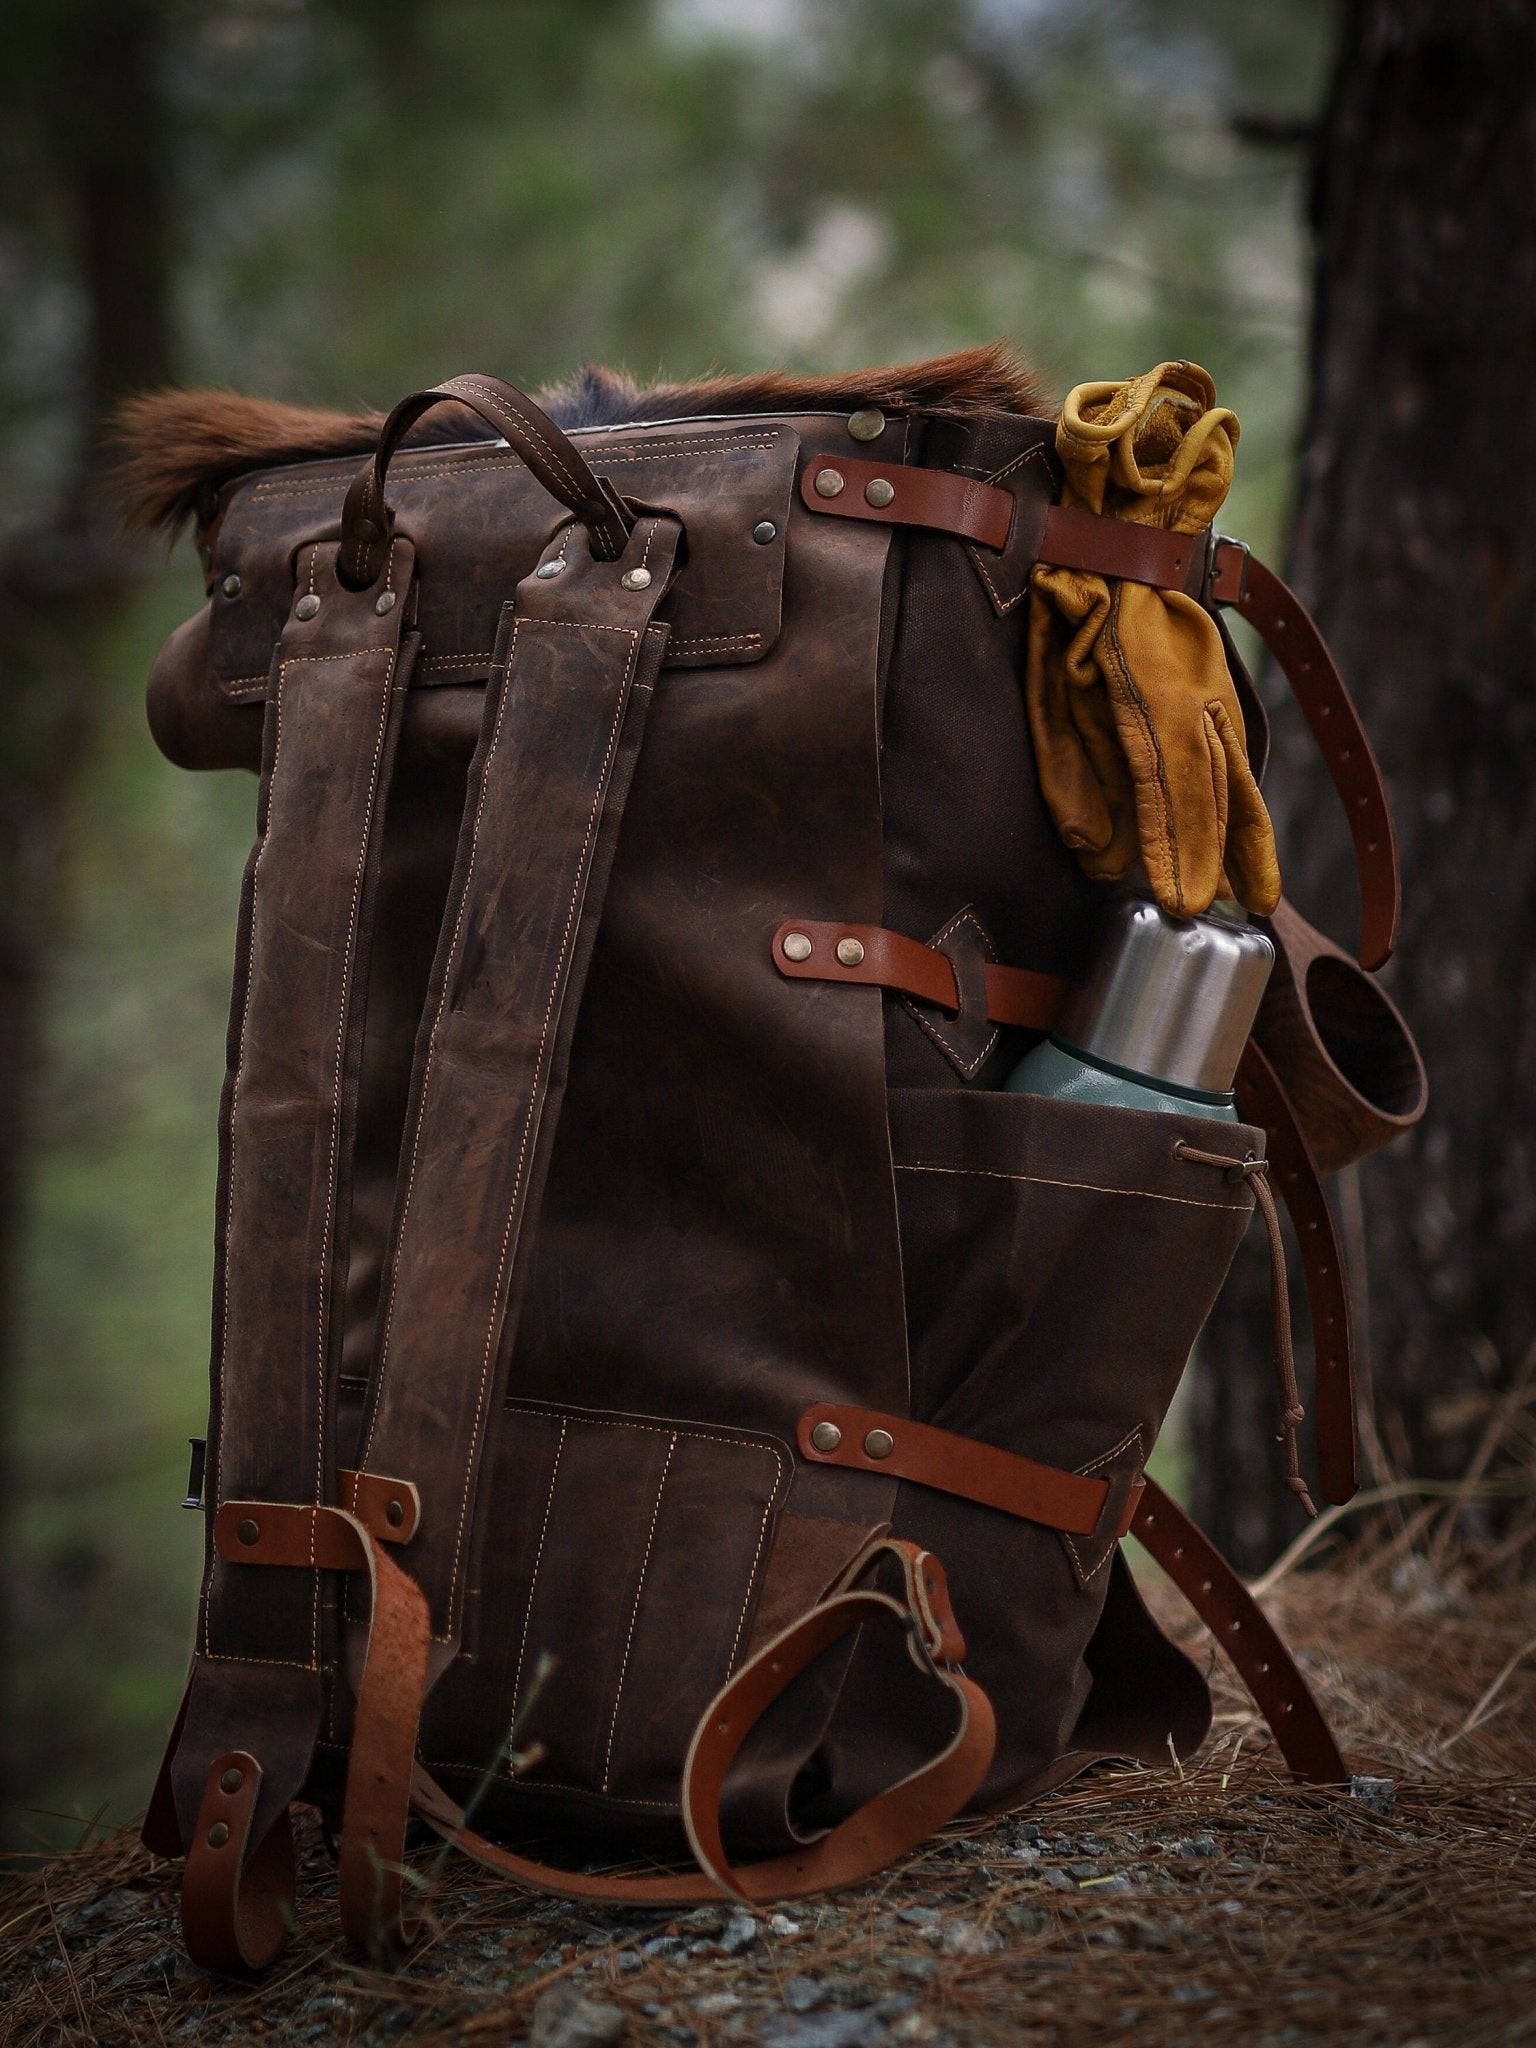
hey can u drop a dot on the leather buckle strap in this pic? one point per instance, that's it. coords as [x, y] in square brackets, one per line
[1220, 571]
[1245, 1636]
[809, 949]
[866, 1840]
[900, 494]
[861, 1440]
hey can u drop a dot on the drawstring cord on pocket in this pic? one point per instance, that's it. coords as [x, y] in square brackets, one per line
[1292, 1414]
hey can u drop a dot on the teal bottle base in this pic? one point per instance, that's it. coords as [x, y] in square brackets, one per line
[1070, 1076]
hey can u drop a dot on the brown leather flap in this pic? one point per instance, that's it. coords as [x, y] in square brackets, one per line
[480, 522]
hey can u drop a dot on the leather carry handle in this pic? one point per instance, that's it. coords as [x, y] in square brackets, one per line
[549, 453]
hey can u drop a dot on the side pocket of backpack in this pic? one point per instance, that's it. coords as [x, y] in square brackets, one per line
[1059, 1259]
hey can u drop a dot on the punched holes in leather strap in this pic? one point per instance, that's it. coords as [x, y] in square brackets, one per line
[896, 494]
[864, 1441]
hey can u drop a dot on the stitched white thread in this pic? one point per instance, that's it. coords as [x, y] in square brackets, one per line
[513, 1217]
[426, 1079]
[634, 1612]
[349, 958]
[657, 1428]
[746, 1601]
[538, 1559]
[1004, 605]
[406, 471]
[1091, 1187]
[932, 1025]
[234, 1106]
[1086, 1578]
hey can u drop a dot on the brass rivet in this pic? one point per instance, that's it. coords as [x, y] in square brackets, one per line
[795, 946]
[826, 1436]
[384, 602]
[232, 586]
[764, 531]
[636, 579]
[829, 482]
[850, 952]
[249, 1532]
[879, 1444]
[366, 529]
[218, 1834]
[231, 1781]
[307, 606]
[394, 1513]
[547, 569]
[867, 425]
[879, 492]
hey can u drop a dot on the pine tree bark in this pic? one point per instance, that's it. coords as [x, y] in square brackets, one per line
[1415, 546]
[90, 78]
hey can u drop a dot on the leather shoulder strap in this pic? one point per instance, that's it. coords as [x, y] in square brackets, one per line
[565, 711]
[285, 1144]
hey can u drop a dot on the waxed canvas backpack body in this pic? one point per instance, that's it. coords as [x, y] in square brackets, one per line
[643, 1317]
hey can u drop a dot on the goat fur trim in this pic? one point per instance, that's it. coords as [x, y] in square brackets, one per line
[176, 449]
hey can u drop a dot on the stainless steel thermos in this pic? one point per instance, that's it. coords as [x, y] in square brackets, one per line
[1163, 1018]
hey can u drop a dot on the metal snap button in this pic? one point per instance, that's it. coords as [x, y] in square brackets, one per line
[826, 1436]
[829, 482]
[795, 946]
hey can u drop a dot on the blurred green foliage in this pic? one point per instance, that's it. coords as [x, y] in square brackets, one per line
[369, 195]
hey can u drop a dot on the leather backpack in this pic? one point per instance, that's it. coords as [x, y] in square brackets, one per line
[647, 1336]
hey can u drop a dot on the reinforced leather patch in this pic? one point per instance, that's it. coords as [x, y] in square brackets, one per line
[728, 481]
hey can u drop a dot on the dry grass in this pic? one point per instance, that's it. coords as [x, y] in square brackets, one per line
[1139, 1904]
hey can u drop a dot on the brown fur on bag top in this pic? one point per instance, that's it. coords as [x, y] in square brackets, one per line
[176, 448]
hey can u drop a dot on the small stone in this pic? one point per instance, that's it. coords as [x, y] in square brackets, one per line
[862, 2029]
[566, 2018]
[1198, 1845]
[716, 2004]
[627, 1960]
[1055, 1876]
[919, 1916]
[965, 1938]
[803, 1994]
[1376, 1795]
[739, 1933]
[662, 1945]
[780, 1923]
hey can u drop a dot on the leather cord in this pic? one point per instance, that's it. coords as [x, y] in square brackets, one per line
[1262, 1100]
[548, 452]
[1292, 1414]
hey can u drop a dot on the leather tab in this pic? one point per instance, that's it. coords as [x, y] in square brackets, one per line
[389, 1509]
[934, 498]
[236, 1911]
[273, 1533]
[959, 1465]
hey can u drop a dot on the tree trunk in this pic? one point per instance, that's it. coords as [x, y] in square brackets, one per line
[106, 155]
[1414, 547]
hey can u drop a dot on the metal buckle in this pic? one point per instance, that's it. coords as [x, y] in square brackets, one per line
[196, 1466]
[1214, 543]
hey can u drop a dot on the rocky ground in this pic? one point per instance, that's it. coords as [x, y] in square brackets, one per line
[1153, 1906]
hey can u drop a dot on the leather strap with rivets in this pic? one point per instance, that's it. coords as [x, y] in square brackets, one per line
[1206, 565]
[807, 949]
[860, 1440]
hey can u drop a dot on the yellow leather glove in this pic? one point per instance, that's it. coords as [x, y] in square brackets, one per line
[1138, 733]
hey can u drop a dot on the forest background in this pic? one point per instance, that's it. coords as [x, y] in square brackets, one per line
[344, 200]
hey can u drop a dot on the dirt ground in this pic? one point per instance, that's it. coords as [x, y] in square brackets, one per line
[1218, 1903]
